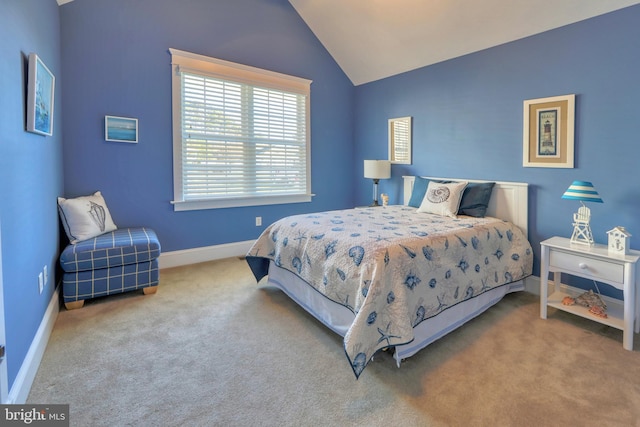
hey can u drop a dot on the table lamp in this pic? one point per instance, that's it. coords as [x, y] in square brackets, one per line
[377, 170]
[582, 191]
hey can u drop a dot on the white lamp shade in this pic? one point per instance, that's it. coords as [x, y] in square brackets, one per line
[377, 169]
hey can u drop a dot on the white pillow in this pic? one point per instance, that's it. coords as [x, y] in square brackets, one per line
[443, 199]
[85, 217]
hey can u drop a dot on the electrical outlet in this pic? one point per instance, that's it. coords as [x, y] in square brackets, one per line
[45, 270]
[258, 221]
[40, 282]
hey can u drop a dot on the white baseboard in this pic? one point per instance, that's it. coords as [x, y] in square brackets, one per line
[22, 385]
[203, 254]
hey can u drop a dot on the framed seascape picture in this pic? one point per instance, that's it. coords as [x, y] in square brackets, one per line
[548, 132]
[40, 91]
[120, 129]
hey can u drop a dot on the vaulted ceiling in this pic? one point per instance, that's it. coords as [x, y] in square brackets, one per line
[373, 39]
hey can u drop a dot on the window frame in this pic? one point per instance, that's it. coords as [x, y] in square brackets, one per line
[244, 74]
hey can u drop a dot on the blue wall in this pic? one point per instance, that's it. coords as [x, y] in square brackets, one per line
[30, 173]
[116, 62]
[467, 121]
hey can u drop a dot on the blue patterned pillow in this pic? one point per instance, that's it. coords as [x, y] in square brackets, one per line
[475, 199]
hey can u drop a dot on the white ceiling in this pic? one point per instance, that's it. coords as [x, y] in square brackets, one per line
[373, 39]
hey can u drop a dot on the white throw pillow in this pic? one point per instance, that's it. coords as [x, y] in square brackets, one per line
[85, 217]
[443, 199]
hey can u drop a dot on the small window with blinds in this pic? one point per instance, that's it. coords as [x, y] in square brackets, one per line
[241, 135]
[400, 140]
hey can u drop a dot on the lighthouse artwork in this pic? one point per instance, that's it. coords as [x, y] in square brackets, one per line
[548, 133]
[548, 126]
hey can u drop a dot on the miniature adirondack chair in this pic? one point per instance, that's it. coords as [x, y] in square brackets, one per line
[581, 228]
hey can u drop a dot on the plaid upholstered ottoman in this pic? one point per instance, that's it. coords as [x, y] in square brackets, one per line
[122, 260]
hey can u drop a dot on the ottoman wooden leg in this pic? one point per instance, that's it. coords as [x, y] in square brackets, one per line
[150, 290]
[74, 304]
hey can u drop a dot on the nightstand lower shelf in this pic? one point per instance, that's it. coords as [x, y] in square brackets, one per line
[615, 312]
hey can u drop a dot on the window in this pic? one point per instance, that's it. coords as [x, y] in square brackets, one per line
[240, 135]
[400, 140]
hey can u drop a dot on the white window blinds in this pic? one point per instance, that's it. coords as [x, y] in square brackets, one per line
[400, 140]
[243, 135]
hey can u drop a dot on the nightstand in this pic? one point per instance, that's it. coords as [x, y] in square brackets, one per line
[591, 262]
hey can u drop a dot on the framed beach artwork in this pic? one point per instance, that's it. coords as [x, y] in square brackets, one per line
[40, 92]
[121, 129]
[548, 132]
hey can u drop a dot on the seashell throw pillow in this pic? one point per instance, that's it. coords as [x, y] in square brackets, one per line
[85, 217]
[443, 198]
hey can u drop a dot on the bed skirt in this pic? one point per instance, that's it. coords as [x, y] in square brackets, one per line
[338, 318]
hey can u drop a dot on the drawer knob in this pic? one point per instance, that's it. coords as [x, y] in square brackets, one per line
[582, 265]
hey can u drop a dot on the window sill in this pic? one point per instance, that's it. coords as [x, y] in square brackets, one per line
[192, 205]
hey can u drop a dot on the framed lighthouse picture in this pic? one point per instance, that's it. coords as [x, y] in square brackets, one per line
[548, 132]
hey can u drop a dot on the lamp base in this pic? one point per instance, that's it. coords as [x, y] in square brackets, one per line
[582, 235]
[375, 192]
[581, 229]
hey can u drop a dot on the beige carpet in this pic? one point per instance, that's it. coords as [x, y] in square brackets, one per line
[213, 348]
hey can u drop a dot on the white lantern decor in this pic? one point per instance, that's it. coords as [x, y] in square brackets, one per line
[618, 241]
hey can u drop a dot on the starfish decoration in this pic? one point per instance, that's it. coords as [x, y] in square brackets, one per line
[301, 236]
[441, 304]
[384, 335]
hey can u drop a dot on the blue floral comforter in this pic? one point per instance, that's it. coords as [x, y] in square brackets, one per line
[393, 267]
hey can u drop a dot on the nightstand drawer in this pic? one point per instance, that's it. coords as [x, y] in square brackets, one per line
[584, 266]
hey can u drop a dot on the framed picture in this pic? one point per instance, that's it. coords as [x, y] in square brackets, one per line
[121, 129]
[40, 91]
[400, 140]
[548, 130]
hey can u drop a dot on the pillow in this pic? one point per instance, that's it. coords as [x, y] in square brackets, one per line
[417, 193]
[475, 199]
[443, 198]
[85, 217]
[419, 189]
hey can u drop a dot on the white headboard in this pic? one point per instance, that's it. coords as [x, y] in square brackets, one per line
[509, 200]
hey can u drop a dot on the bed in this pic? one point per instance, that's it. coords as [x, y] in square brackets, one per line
[396, 277]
